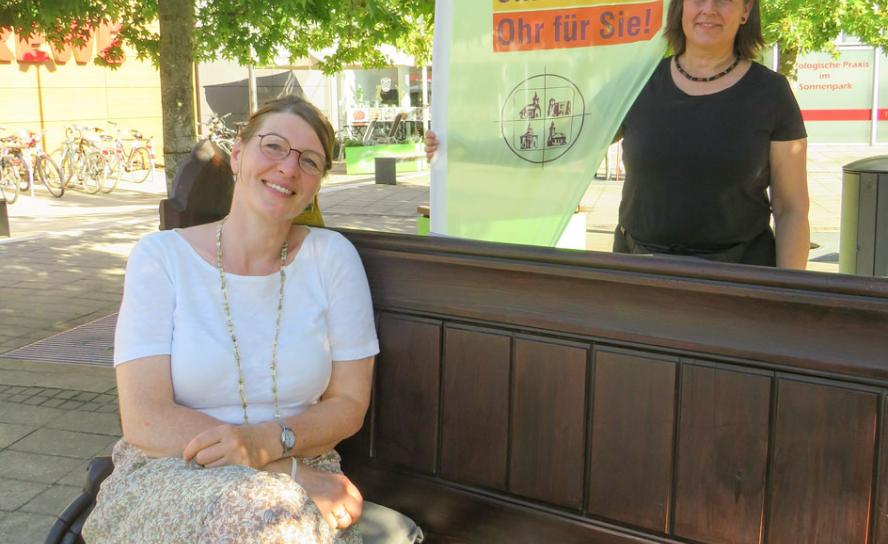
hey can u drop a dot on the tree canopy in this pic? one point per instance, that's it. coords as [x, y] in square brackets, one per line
[247, 31]
[176, 33]
[801, 26]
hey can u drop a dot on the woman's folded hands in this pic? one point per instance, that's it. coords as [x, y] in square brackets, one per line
[252, 445]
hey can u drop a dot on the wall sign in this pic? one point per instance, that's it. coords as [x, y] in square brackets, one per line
[36, 49]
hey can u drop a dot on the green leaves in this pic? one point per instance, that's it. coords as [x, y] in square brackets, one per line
[248, 31]
[800, 26]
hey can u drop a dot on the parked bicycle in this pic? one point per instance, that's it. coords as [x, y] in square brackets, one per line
[81, 159]
[135, 165]
[37, 165]
[219, 133]
[10, 175]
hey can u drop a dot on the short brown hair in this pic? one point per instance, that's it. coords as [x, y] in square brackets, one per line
[747, 42]
[304, 109]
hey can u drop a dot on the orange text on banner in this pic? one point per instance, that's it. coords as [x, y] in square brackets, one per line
[580, 27]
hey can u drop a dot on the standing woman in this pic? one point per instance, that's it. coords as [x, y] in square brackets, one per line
[710, 136]
[244, 353]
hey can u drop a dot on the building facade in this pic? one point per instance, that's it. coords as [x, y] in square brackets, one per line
[843, 99]
[44, 88]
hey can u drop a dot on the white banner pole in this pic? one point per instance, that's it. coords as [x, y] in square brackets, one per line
[440, 76]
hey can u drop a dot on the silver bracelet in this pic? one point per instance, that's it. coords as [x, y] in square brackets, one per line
[294, 466]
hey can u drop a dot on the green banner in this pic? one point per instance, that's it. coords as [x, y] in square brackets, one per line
[528, 96]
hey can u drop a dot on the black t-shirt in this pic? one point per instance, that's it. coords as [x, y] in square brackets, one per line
[697, 167]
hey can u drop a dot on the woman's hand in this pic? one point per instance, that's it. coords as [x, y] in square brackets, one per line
[431, 144]
[229, 444]
[336, 496]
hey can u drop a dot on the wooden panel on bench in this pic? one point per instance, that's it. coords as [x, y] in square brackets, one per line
[822, 472]
[475, 409]
[547, 428]
[630, 471]
[759, 388]
[722, 454]
[754, 313]
[407, 392]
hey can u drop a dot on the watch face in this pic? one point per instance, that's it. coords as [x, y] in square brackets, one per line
[288, 438]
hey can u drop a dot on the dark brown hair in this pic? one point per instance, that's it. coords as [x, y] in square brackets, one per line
[304, 109]
[747, 42]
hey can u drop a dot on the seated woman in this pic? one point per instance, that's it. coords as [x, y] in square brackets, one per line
[244, 353]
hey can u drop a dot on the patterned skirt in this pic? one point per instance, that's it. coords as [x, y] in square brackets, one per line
[167, 501]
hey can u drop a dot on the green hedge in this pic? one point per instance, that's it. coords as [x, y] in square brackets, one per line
[360, 159]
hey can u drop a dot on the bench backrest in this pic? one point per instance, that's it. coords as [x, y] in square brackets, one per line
[535, 395]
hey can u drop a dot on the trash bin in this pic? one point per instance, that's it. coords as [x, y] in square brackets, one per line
[863, 242]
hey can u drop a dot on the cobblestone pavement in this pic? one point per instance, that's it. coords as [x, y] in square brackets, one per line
[48, 433]
[63, 399]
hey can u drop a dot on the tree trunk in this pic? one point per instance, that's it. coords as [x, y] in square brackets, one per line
[787, 60]
[176, 19]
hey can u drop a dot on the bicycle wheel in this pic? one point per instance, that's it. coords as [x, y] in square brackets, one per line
[113, 171]
[78, 167]
[139, 165]
[51, 176]
[63, 160]
[9, 181]
[94, 172]
[23, 177]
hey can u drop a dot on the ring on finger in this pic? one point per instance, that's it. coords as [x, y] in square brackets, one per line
[342, 517]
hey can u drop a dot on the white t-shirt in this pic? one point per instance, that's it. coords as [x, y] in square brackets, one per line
[172, 305]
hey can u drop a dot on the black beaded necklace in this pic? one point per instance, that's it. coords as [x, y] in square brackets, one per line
[719, 75]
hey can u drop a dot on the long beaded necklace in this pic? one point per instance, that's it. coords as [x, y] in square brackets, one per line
[721, 74]
[277, 325]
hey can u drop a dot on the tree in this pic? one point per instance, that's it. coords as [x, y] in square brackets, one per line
[176, 33]
[800, 26]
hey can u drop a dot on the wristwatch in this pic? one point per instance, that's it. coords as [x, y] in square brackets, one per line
[288, 437]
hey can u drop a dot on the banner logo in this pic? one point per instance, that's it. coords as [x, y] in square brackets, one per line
[542, 118]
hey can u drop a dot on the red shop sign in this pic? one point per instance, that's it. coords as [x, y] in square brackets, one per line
[35, 49]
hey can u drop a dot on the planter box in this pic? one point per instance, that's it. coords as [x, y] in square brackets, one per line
[360, 160]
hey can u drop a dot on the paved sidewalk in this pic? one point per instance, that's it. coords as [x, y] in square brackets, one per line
[54, 417]
[48, 433]
[64, 266]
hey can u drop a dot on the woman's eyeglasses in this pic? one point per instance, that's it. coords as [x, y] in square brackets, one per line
[277, 148]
